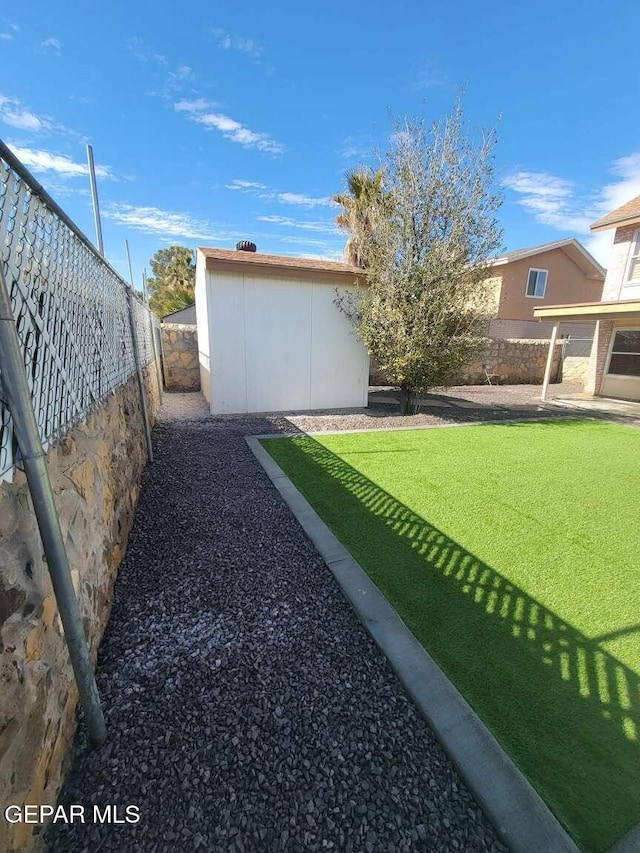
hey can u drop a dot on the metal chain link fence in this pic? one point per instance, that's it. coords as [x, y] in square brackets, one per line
[71, 312]
[578, 347]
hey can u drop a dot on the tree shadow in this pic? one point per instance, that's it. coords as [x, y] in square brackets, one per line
[564, 708]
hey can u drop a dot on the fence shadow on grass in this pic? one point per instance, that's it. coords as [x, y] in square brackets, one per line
[566, 710]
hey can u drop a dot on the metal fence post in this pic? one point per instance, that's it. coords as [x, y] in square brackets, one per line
[156, 355]
[18, 397]
[136, 356]
[163, 362]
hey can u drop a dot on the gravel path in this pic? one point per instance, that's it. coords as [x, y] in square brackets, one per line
[247, 708]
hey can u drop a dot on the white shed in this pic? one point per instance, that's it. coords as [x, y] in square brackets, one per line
[270, 336]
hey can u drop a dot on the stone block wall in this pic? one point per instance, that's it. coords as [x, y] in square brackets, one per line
[95, 472]
[180, 353]
[514, 362]
[575, 369]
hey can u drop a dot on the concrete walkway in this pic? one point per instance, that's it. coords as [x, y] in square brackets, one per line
[247, 708]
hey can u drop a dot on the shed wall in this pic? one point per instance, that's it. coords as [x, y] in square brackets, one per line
[278, 343]
[202, 320]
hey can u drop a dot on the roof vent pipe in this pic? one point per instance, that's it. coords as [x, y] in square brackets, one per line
[245, 246]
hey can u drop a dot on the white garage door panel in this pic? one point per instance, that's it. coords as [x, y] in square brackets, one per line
[278, 321]
[226, 335]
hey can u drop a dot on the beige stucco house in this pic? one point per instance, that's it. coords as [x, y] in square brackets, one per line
[550, 274]
[614, 366]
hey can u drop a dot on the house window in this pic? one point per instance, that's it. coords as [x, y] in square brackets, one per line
[537, 283]
[625, 353]
[634, 260]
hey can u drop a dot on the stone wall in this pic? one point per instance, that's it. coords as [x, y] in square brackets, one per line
[95, 471]
[575, 369]
[514, 363]
[180, 353]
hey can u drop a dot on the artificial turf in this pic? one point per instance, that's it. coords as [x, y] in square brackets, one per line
[513, 553]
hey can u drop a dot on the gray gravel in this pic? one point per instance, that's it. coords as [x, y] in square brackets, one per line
[247, 708]
[440, 407]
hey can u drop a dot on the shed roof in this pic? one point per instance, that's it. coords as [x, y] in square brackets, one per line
[233, 260]
[626, 214]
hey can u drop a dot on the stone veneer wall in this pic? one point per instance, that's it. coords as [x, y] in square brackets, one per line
[514, 362]
[180, 353]
[575, 369]
[95, 471]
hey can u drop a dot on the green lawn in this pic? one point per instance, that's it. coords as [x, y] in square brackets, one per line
[513, 554]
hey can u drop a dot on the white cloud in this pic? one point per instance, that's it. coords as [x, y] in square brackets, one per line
[566, 206]
[229, 41]
[550, 199]
[245, 185]
[14, 114]
[140, 50]
[627, 185]
[58, 189]
[351, 149]
[326, 255]
[153, 220]
[295, 199]
[199, 112]
[9, 36]
[45, 161]
[304, 225]
[304, 200]
[429, 74]
[305, 241]
[52, 44]
[198, 106]
[172, 80]
[176, 80]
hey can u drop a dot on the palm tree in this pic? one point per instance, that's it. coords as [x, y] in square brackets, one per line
[364, 193]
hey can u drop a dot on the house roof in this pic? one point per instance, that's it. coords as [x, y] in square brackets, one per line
[626, 214]
[570, 245]
[233, 260]
[176, 316]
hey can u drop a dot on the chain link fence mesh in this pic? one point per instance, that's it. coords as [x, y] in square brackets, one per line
[71, 313]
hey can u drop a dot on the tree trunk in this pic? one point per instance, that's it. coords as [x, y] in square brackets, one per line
[407, 403]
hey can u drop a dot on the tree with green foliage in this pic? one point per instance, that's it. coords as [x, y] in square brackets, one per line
[173, 282]
[426, 243]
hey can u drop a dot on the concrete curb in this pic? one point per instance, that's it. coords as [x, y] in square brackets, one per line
[629, 843]
[499, 422]
[516, 810]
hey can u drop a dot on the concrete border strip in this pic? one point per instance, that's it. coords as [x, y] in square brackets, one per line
[499, 422]
[629, 843]
[516, 810]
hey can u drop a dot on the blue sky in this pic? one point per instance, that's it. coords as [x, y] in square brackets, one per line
[213, 122]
